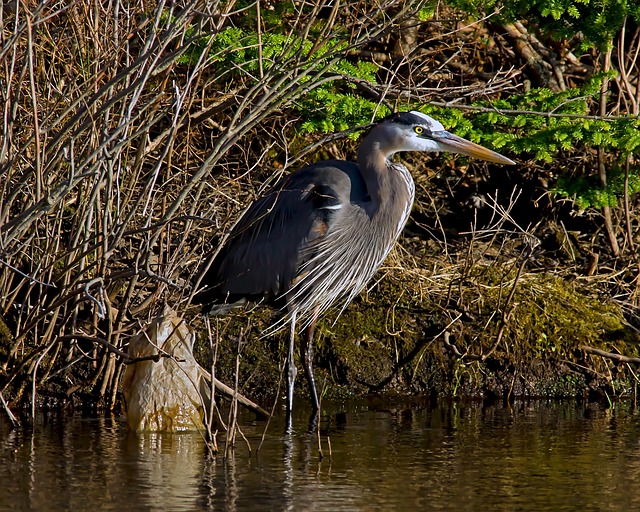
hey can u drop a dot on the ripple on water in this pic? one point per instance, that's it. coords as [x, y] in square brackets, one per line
[530, 456]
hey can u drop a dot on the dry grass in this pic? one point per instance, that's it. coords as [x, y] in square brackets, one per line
[120, 164]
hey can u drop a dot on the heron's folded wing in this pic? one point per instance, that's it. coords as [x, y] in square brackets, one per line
[262, 254]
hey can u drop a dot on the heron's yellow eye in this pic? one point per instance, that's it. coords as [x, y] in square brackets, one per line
[418, 130]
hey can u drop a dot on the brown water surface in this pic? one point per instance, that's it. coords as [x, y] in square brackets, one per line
[530, 456]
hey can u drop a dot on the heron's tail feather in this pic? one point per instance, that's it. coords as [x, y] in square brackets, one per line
[215, 303]
[222, 309]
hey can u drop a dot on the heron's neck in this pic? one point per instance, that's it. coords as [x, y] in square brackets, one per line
[385, 185]
[373, 166]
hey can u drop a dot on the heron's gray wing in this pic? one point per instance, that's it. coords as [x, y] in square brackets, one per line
[263, 253]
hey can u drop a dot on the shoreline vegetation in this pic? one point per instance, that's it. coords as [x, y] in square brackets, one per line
[134, 135]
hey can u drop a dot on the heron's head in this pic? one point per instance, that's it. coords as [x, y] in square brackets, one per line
[415, 131]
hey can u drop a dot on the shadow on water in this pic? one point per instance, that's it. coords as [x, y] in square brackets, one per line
[384, 456]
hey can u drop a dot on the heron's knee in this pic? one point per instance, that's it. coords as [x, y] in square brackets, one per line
[292, 371]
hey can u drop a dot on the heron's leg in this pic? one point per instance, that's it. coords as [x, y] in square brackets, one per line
[307, 360]
[291, 366]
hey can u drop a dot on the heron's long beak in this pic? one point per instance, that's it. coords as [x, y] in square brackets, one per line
[454, 144]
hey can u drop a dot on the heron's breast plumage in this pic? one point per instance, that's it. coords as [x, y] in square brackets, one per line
[337, 266]
[410, 191]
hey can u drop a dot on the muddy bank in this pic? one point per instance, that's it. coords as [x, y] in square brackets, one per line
[459, 339]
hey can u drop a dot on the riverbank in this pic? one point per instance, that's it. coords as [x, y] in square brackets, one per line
[506, 336]
[132, 141]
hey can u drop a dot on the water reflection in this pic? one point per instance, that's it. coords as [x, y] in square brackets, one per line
[385, 456]
[164, 468]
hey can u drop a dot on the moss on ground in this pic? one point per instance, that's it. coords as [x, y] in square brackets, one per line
[391, 340]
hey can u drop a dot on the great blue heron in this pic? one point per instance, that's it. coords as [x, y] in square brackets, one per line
[319, 235]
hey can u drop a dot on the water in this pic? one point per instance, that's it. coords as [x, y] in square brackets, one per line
[530, 456]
